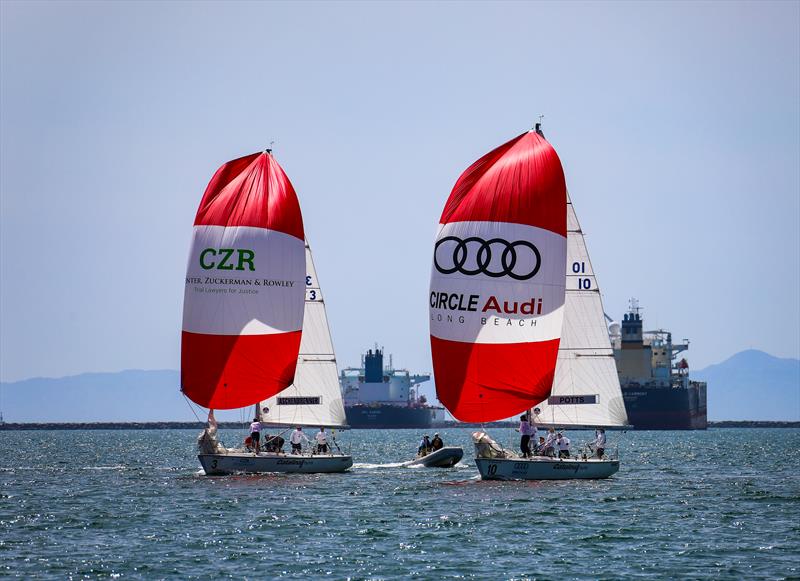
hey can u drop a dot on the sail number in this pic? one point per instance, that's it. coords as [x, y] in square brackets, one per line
[312, 293]
[580, 268]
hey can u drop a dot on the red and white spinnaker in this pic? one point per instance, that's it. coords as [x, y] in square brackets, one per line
[497, 283]
[245, 287]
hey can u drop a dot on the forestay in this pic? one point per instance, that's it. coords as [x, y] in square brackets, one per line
[585, 370]
[314, 399]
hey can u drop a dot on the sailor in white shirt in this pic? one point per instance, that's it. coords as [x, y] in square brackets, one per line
[322, 441]
[296, 439]
[563, 446]
[255, 435]
[599, 443]
[550, 443]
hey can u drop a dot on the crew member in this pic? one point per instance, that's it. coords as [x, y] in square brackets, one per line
[437, 443]
[540, 447]
[255, 435]
[424, 446]
[563, 446]
[296, 439]
[600, 442]
[273, 443]
[527, 431]
[322, 441]
[550, 443]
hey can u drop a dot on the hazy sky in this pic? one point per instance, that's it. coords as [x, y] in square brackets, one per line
[678, 125]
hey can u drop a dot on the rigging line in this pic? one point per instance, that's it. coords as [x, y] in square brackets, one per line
[189, 403]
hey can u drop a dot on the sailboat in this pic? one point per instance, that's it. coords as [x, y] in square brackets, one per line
[250, 314]
[524, 341]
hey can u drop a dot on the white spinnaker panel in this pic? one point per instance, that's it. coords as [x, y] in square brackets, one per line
[315, 398]
[586, 365]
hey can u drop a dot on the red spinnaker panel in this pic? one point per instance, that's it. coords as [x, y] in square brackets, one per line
[244, 294]
[497, 283]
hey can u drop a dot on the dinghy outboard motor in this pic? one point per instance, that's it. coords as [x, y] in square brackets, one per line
[485, 447]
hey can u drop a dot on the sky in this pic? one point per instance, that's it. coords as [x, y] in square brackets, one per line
[678, 126]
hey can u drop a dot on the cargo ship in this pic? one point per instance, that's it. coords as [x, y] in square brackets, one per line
[384, 397]
[657, 390]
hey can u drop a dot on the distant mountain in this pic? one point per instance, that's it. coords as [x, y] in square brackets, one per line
[125, 396]
[753, 385]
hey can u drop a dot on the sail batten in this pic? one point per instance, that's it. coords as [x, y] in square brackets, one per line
[314, 398]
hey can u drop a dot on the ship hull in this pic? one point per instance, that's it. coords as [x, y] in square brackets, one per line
[666, 408]
[388, 417]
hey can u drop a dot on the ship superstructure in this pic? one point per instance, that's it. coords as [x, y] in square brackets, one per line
[656, 388]
[378, 396]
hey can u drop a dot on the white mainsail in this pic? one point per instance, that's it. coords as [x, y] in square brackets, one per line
[315, 398]
[586, 380]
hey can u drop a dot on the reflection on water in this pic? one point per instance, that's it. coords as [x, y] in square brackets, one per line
[722, 503]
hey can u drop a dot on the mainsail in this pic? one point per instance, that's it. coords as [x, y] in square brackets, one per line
[586, 389]
[315, 398]
[497, 283]
[243, 300]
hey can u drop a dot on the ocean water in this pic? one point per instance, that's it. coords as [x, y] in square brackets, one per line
[721, 504]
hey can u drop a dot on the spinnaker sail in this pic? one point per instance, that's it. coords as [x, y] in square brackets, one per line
[497, 282]
[243, 300]
[315, 398]
[586, 389]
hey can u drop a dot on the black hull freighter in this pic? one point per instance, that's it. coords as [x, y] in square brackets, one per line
[657, 391]
[384, 397]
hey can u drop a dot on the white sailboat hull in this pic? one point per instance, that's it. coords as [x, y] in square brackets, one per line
[541, 468]
[215, 464]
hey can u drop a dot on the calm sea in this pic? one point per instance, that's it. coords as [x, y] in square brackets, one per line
[132, 504]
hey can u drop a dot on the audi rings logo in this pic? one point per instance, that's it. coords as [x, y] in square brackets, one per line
[457, 261]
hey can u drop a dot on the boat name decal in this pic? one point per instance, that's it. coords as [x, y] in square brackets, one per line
[572, 399]
[573, 466]
[297, 400]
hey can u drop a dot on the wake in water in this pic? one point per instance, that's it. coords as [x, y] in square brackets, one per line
[389, 465]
